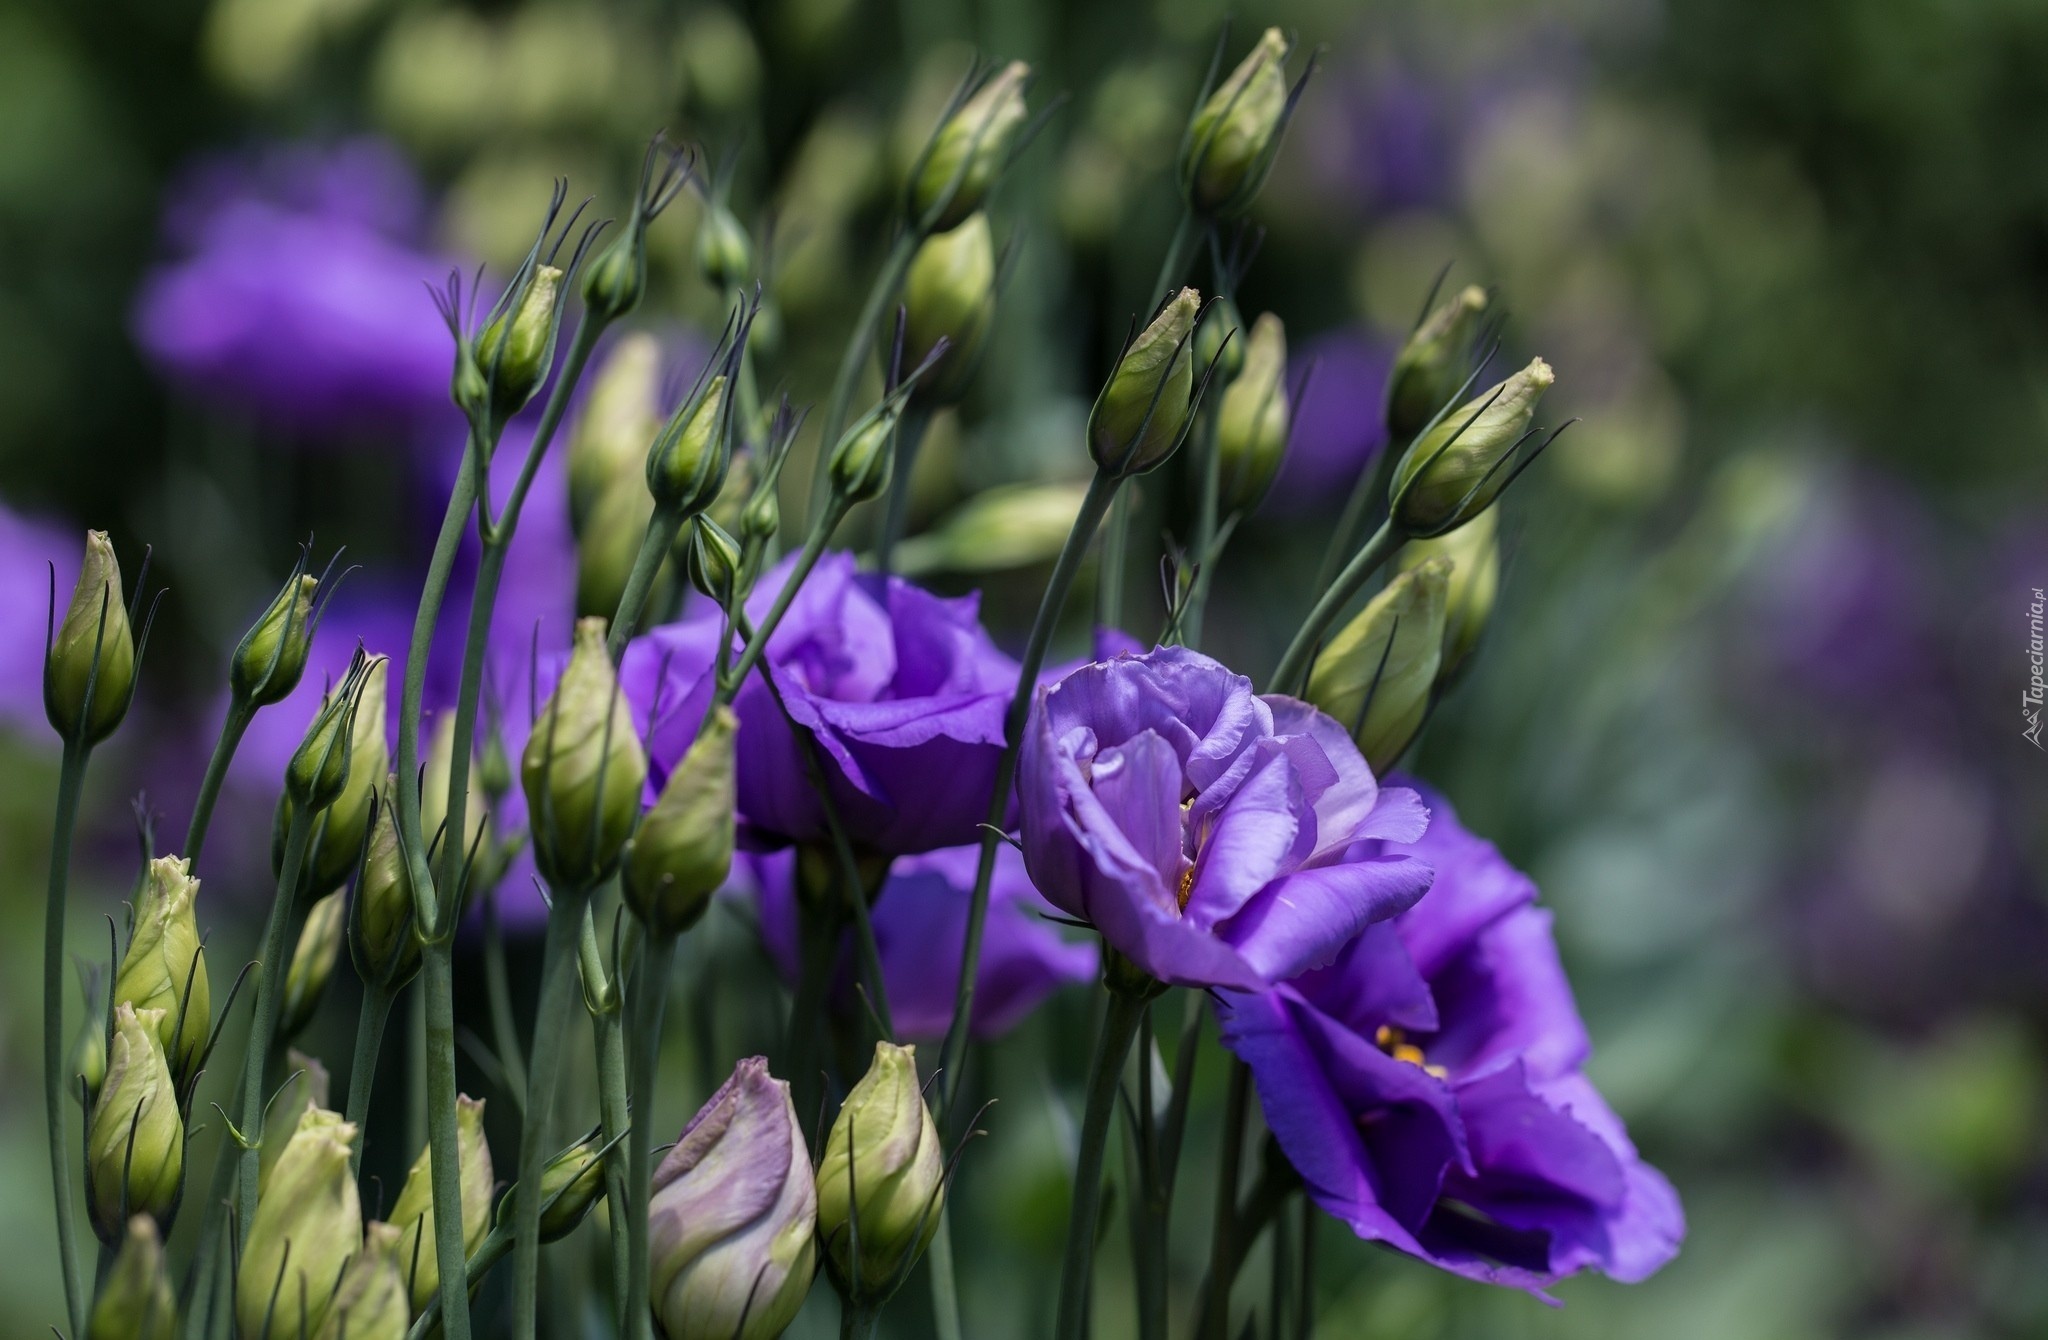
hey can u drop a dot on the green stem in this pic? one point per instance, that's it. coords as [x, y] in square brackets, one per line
[749, 389]
[1226, 1249]
[1109, 574]
[1148, 1212]
[557, 968]
[650, 1004]
[493, 1249]
[240, 714]
[887, 280]
[1121, 1014]
[945, 1292]
[614, 1114]
[654, 546]
[70, 779]
[1305, 1283]
[444, 1164]
[498, 990]
[1292, 672]
[1171, 266]
[362, 1071]
[909, 438]
[951, 1056]
[1364, 503]
[857, 1320]
[1253, 1214]
[818, 946]
[1206, 522]
[270, 976]
[757, 643]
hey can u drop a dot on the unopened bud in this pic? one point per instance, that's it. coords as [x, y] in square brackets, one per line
[1376, 675]
[583, 768]
[686, 466]
[381, 936]
[1473, 551]
[609, 547]
[434, 793]
[514, 351]
[614, 283]
[570, 1183]
[413, 1212]
[1252, 421]
[306, 1089]
[312, 964]
[970, 151]
[950, 295]
[136, 1302]
[308, 1223]
[1010, 526]
[272, 655]
[732, 1222]
[682, 852]
[493, 766]
[619, 421]
[89, 1055]
[1233, 138]
[95, 648]
[319, 770]
[135, 1140]
[369, 1299]
[1142, 413]
[862, 461]
[894, 1190]
[761, 518]
[714, 561]
[1453, 472]
[734, 494]
[339, 844]
[1433, 363]
[1219, 340]
[724, 252]
[164, 970]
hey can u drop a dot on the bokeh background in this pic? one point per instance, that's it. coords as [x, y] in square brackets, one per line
[1750, 709]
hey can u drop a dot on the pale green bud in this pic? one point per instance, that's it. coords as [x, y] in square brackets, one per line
[136, 1302]
[272, 654]
[970, 150]
[949, 294]
[1219, 340]
[514, 351]
[164, 969]
[714, 560]
[570, 1183]
[1377, 674]
[381, 936]
[761, 518]
[862, 461]
[1253, 420]
[1433, 363]
[370, 1302]
[413, 1212]
[1473, 550]
[319, 770]
[305, 1090]
[95, 627]
[135, 1140]
[1232, 139]
[610, 545]
[683, 850]
[312, 965]
[1453, 472]
[724, 252]
[340, 840]
[583, 768]
[1011, 526]
[493, 767]
[686, 466]
[619, 421]
[434, 791]
[885, 1133]
[734, 494]
[308, 1223]
[1142, 413]
[89, 1055]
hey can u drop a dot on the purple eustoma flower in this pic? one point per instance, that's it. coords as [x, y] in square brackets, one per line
[920, 922]
[1427, 1086]
[1206, 831]
[903, 691]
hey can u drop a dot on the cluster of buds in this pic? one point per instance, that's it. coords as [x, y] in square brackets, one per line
[584, 769]
[163, 971]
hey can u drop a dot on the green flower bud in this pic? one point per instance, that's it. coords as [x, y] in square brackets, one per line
[610, 545]
[272, 655]
[724, 252]
[686, 467]
[735, 493]
[88, 633]
[683, 851]
[136, 1302]
[885, 1132]
[514, 351]
[714, 560]
[413, 1212]
[339, 843]
[761, 518]
[1232, 140]
[1011, 526]
[493, 767]
[949, 294]
[381, 936]
[1473, 551]
[89, 1055]
[1453, 472]
[164, 969]
[583, 769]
[1142, 413]
[135, 1140]
[1219, 340]
[308, 1223]
[434, 791]
[1252, 421]
[970, 151]
[1376, 675]
[305, 1090]
[862, 461]
[318, 773]
[1433, 363]
[619, 421]
[369, 1301]
[570, 1183]
[312, 965]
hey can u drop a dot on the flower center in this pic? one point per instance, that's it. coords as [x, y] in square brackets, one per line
[1395, 1043]
[1187, 886]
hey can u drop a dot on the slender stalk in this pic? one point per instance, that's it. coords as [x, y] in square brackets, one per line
[269, 996]
[493, 1249]
[749, 388]
[1100, 491]
[650, 1004]
[1260, 1205]
[1148, 1212]
[70, 779]
[654, 547]
[887, 280]
[857, 1320]
[818, 951]
[1305, 1282]
[1290, 674]
[1226, 1251]
[1173, 264]
[757, 643]
[362, 1071]
[945, 1292]
[557, 968]
[498, 989]
[909, 438]
[615, 1114]
[1121, 1013]
[1363, 504]
[1206, 521]
[1109, 576]
[240, 714]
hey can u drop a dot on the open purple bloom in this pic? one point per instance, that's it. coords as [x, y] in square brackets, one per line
[1206, 831]
[920, 923]
[903, 691]
[1427, 1086]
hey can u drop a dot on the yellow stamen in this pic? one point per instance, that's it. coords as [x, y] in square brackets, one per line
[1187, 886]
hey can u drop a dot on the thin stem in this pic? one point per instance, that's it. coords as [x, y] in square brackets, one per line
[1121, 1013]
[493, 1249]
[1148, 1213]
[654, 547]
[1206, 520]
[1100, 491]
[887, 280]
[1290, 675]
[945, 1292]
[818, 952]
[498, 990]
[1260, 1205]
[240, 714]
[70, 779]
[615, 1115]
[1186, 233]
[1109, 575]
[362, 1071]
[757, 644]
[444, 1165]
[909, 438]
[749, 388]
[857, 1320]
[650, 1004]
[1226, 1250]
[1362, 505]
[269, 996]
[557, 969]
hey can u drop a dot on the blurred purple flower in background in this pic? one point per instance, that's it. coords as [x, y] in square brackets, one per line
[1341, 423]
[920, 921]
[1427, 1086]
[28, 546]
